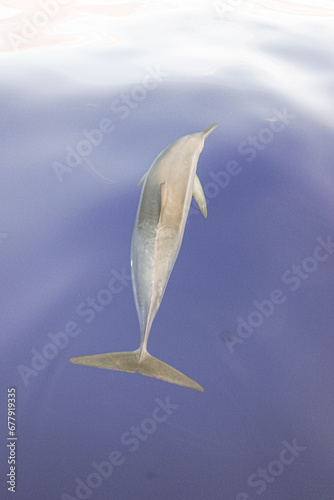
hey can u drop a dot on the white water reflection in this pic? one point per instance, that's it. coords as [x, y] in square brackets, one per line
[278, 44]
[31, 24]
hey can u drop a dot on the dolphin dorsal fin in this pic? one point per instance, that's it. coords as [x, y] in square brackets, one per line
[142, 179]
[199, 196]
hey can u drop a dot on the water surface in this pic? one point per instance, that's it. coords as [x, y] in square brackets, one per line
[87, 103]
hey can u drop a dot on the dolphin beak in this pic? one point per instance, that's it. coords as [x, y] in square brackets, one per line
[207, 131]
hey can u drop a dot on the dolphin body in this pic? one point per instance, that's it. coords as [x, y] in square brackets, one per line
[168, 187]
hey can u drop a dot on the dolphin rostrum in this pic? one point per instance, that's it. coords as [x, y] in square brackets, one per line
[168, 187]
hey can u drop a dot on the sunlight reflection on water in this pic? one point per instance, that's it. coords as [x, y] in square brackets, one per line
[27, 25]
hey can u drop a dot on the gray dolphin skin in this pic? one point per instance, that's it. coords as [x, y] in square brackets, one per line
[167, 190]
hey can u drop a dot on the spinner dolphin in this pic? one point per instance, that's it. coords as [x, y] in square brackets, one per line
[168, 187]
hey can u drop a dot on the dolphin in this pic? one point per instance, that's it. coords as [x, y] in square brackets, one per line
[168, 187]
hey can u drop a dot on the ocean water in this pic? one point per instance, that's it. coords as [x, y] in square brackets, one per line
[90, 94]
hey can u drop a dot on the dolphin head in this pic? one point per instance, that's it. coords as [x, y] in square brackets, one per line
[196, 141]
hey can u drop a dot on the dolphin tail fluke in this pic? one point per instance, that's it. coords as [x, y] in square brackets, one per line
[132, 362]
[153, 367]
[123, 361]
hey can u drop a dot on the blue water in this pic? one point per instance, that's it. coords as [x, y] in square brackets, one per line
[87, 103]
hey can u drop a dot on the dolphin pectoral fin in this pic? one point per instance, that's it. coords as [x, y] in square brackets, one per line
[132, 362]
[199, 196]
[142, 179]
